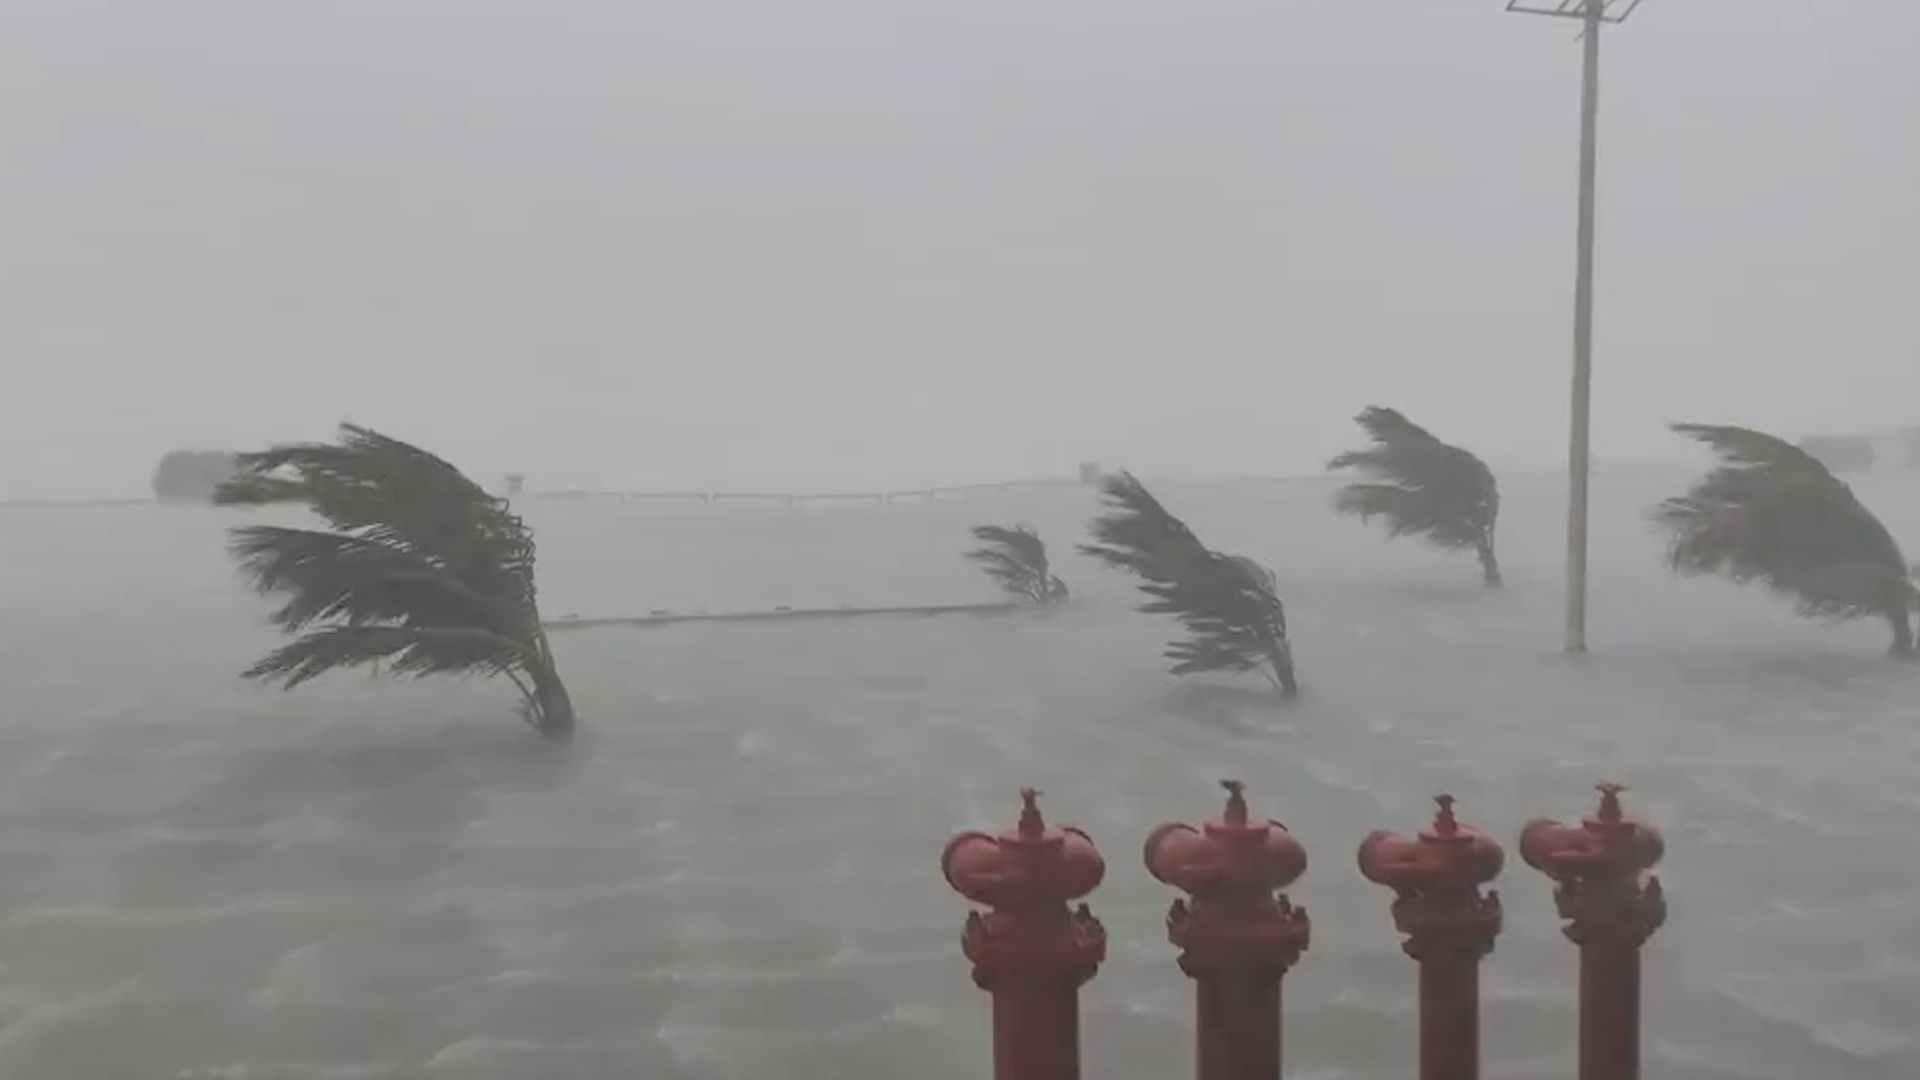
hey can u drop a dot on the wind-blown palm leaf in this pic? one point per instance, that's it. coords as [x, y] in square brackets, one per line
[399, 650]
[1771, 514]
[387, 491]
[419, 568]
[1421, 486]
[1017, 558]
[1234, 619]
[1741, 449]
[340, 576]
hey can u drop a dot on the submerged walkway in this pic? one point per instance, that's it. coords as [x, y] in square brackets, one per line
[803, 498]
[661, 618]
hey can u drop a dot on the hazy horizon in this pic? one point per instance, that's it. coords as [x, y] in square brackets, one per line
[856, 244]
[952, 486]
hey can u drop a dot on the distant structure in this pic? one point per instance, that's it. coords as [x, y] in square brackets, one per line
[516, 483]
[1090, 473]
[191, 476]
[1846, 453]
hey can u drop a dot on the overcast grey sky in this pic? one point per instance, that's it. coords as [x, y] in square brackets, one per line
[849, 241]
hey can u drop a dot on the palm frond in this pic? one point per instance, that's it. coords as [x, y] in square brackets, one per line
[1421, 486]
[1016, 558]
[418, 564]
[1393, 435]
[1406, 512]
[389, 492]
[1234, 618]
[1773, 515]
[341, 576]
[406, 651]
[1745, 448]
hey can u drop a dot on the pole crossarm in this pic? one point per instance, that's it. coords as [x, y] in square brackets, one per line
[1611, 11]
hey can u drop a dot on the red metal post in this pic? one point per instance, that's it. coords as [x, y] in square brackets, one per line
[1612, 907]
[1237, 939]
[1450, 925]
[1030, 951]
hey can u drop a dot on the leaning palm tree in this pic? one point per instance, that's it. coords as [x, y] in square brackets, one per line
[1233, 616]
[1771, 513]
[418, 570]
[1016, 558]
[1421, 486]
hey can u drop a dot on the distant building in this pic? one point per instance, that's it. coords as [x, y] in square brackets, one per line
[515, 483]
[1089, 472]
[190, 476]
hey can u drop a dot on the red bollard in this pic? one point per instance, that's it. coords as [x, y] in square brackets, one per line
[1237, 940]
[1450, 926]
[1597, 869]
[1030, 951]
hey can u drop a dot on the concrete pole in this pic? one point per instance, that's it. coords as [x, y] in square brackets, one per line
[1579, 441]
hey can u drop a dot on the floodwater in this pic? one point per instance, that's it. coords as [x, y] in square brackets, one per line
[734, 874]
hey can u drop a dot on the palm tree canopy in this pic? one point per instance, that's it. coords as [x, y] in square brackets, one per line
[1234, 619]
[1016, 558]
[1771, 513]
[419, 567]
[1419, 485]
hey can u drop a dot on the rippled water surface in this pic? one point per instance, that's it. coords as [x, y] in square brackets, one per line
[733, 874]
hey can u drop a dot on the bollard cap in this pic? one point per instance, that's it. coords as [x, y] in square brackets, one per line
[1027, 866]
[1229, 854]
[1446, 856]
[1608, 844]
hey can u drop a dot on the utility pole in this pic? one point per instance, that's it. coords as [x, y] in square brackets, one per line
[1592, 14]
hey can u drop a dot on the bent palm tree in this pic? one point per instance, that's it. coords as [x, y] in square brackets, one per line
[418, 569]
[1233, 616]
[1017, 558]
[1773, 514]
[1422, 487]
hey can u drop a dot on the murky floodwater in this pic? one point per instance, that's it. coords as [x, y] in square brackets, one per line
[733, 875]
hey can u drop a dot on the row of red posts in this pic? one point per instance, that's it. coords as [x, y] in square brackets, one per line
[1238, 934]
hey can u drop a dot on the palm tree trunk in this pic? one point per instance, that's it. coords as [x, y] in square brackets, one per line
[1489, 565]
[1280, 655]
[1902, 633]
[552, 706]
